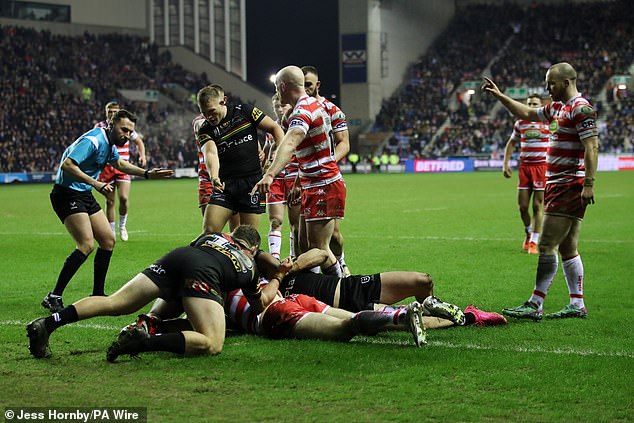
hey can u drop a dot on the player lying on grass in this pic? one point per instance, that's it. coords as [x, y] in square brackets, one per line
[369, 292]
[354, 294]
[298, 316]
[196, 276]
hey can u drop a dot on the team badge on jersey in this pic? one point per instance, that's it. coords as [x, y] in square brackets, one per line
[554, 125]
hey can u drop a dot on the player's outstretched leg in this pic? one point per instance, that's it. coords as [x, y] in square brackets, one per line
[416, 325]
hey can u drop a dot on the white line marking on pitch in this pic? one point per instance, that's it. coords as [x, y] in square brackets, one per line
[471, 238]
[364, 236]
[442, 344]
[388, 341]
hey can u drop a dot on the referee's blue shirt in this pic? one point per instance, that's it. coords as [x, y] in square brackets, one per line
[91, 152]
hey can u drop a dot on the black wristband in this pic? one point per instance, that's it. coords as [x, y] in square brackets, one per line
[102, 188]
[146, 174]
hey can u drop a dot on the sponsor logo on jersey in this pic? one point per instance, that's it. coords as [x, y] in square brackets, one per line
[256, 113]
[156, 268]
[588, 123]
[532, 133]
[295, 122]
[553, 126]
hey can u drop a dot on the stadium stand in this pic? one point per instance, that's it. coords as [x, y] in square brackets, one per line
[54, 87]
[429, 115]
[44, 80]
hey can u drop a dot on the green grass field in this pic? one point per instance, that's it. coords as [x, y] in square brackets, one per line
[464, 229]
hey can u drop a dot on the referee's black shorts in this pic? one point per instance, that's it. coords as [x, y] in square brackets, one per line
[66, 201]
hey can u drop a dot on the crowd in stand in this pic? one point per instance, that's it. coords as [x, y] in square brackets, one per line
[40, 116]
[429, 117]
[597, 38]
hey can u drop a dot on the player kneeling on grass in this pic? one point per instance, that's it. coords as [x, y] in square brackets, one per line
[197, 275]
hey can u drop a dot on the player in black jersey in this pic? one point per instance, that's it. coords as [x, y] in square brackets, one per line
[368, 292]
[196, 276]
[229, 142]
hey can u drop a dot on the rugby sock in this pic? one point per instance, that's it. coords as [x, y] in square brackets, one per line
[102, 261]
[112, 227]
[573, 273]
[535, 237]
[172, 342]
[546, 271]
[123, 219]
[342, 261]
[275, 243]
[369, 322]
[334, 270]
[64, 317]
[72, 263]
[528, 229]
[469, 319]
[292, 245]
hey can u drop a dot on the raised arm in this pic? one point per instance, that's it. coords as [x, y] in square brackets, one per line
[127, 167]
[520, 110]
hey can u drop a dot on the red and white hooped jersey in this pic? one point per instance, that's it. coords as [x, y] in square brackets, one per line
[338, 120]
[203, 175]
[124, 151]
[570, 123]
[240, 313]
[533, 138]
[316, 152]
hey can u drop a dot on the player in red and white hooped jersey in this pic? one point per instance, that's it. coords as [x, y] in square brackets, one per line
[309, 137]
[339, 126]
[119, 180]
[572, 158]
[277, 199]
[533, 138]
[303, 317]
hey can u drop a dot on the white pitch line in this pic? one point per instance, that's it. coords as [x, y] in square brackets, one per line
[362, 236]
[77, 325]
[442, 344]
[469, 238]
[393, 341]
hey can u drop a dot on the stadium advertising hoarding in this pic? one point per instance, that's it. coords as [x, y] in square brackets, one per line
[626, 163]
[479, 164]
[450, 165]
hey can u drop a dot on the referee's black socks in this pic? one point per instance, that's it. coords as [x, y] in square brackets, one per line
[102, 261]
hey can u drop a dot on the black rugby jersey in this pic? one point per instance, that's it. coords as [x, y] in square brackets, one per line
[236, 137]
[240, 270]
